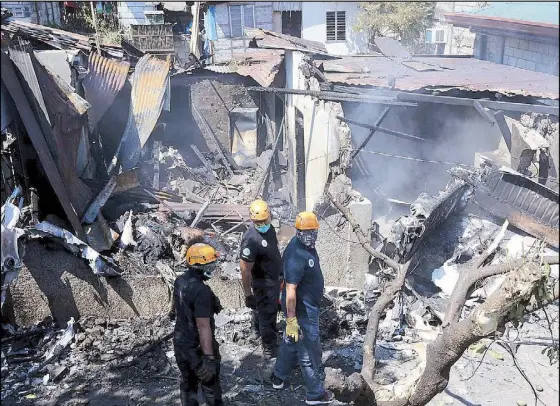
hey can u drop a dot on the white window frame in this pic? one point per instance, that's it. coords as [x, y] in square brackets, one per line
[434, 32]
[243, 5]
[337, 39]
[152, 15]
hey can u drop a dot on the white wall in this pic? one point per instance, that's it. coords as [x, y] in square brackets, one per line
[132, 12]
[314, 27]
[322, 133]
[225, 44]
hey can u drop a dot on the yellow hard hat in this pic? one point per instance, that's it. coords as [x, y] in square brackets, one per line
[201, 254]
[258, 210]
[307, 220]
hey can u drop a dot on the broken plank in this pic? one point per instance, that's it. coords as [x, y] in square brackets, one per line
[200, 214]
[484, 112]
[205, 163]
[504, 128]
[13, 85]
[268, 164]
[371, 132]
[99, 201]
[215, 140]
[380, 129]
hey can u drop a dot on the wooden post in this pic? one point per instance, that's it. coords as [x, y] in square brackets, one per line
[94, 18]
[195, 31]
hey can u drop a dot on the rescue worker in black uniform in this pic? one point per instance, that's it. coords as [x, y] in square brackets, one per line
[196, 349]
[261, 271]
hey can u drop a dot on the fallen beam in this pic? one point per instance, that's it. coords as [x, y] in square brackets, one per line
[269, 163]
[372, 131]
[380, 129]
[486, 114]
[13, 85]
[207, 166]
[325, 95]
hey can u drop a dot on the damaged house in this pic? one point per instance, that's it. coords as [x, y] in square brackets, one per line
[116, 158]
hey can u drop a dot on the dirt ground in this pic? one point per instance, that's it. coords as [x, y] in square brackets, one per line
[154, 380]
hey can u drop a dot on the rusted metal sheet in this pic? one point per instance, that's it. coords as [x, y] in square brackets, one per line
[391, 47]
[260, 64]
[54, 37]
[274, 40]
[146, 102]
[446, 73]
[20, 55]
[104, 80]
[527, 204]
[13, 85]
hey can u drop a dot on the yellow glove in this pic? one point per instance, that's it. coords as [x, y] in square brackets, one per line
[292, 329]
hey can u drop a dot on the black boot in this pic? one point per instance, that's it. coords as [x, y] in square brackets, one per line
[187, 398]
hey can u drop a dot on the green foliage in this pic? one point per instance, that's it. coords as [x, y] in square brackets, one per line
[405, 21]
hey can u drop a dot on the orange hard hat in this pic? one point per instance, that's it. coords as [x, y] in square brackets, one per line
[258, 210]
[307, 220]
[201, 254]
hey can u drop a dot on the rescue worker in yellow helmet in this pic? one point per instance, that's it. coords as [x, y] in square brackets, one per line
[261, 269]
[196, 349]
[301, 298]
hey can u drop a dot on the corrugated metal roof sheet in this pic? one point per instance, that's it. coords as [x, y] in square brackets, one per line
[461, 73]
[56, 38]
[146, 102]
[275, 40]
[102, 83]
[260, 64]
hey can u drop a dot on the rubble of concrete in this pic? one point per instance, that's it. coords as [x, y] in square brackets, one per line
[101, 207]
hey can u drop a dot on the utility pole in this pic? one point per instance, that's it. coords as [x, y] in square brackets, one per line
[94, 17]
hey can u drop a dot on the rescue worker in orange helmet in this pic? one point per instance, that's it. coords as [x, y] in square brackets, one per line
[301, 298]
[196, 349]
[261, 270]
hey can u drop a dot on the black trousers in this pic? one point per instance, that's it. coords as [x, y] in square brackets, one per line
[264, 319]
[187, 361]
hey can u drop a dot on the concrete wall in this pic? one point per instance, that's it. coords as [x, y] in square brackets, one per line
[343, 262]
[132, 12]
[225, 44]
[314, 27]
[42, 12]
[55, 283]
[322, 135]
[539, 54]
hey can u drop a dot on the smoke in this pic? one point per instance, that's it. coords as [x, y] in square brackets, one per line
[452, 133]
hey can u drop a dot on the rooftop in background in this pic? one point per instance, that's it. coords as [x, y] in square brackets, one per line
[535, 18]
[536, 12]
[440, 73]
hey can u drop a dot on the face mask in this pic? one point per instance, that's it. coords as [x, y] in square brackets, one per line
[262, 229]
[308, 237]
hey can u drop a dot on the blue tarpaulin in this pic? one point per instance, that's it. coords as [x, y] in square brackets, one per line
[210, 24]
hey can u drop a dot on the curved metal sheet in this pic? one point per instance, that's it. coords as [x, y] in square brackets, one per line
[104, 80]
[146, 102]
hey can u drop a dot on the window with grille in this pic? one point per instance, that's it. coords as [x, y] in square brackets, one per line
[336, 25]
[19, 11]
[241, 16]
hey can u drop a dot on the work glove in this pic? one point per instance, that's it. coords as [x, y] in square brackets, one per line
[292, 329]
[251, 302]
[208, 370]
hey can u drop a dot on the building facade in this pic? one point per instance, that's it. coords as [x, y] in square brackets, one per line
[332, 23]
[524, 35]
[36, 12]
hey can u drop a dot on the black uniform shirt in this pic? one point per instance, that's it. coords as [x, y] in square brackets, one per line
[262, 250]
[193, 299]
